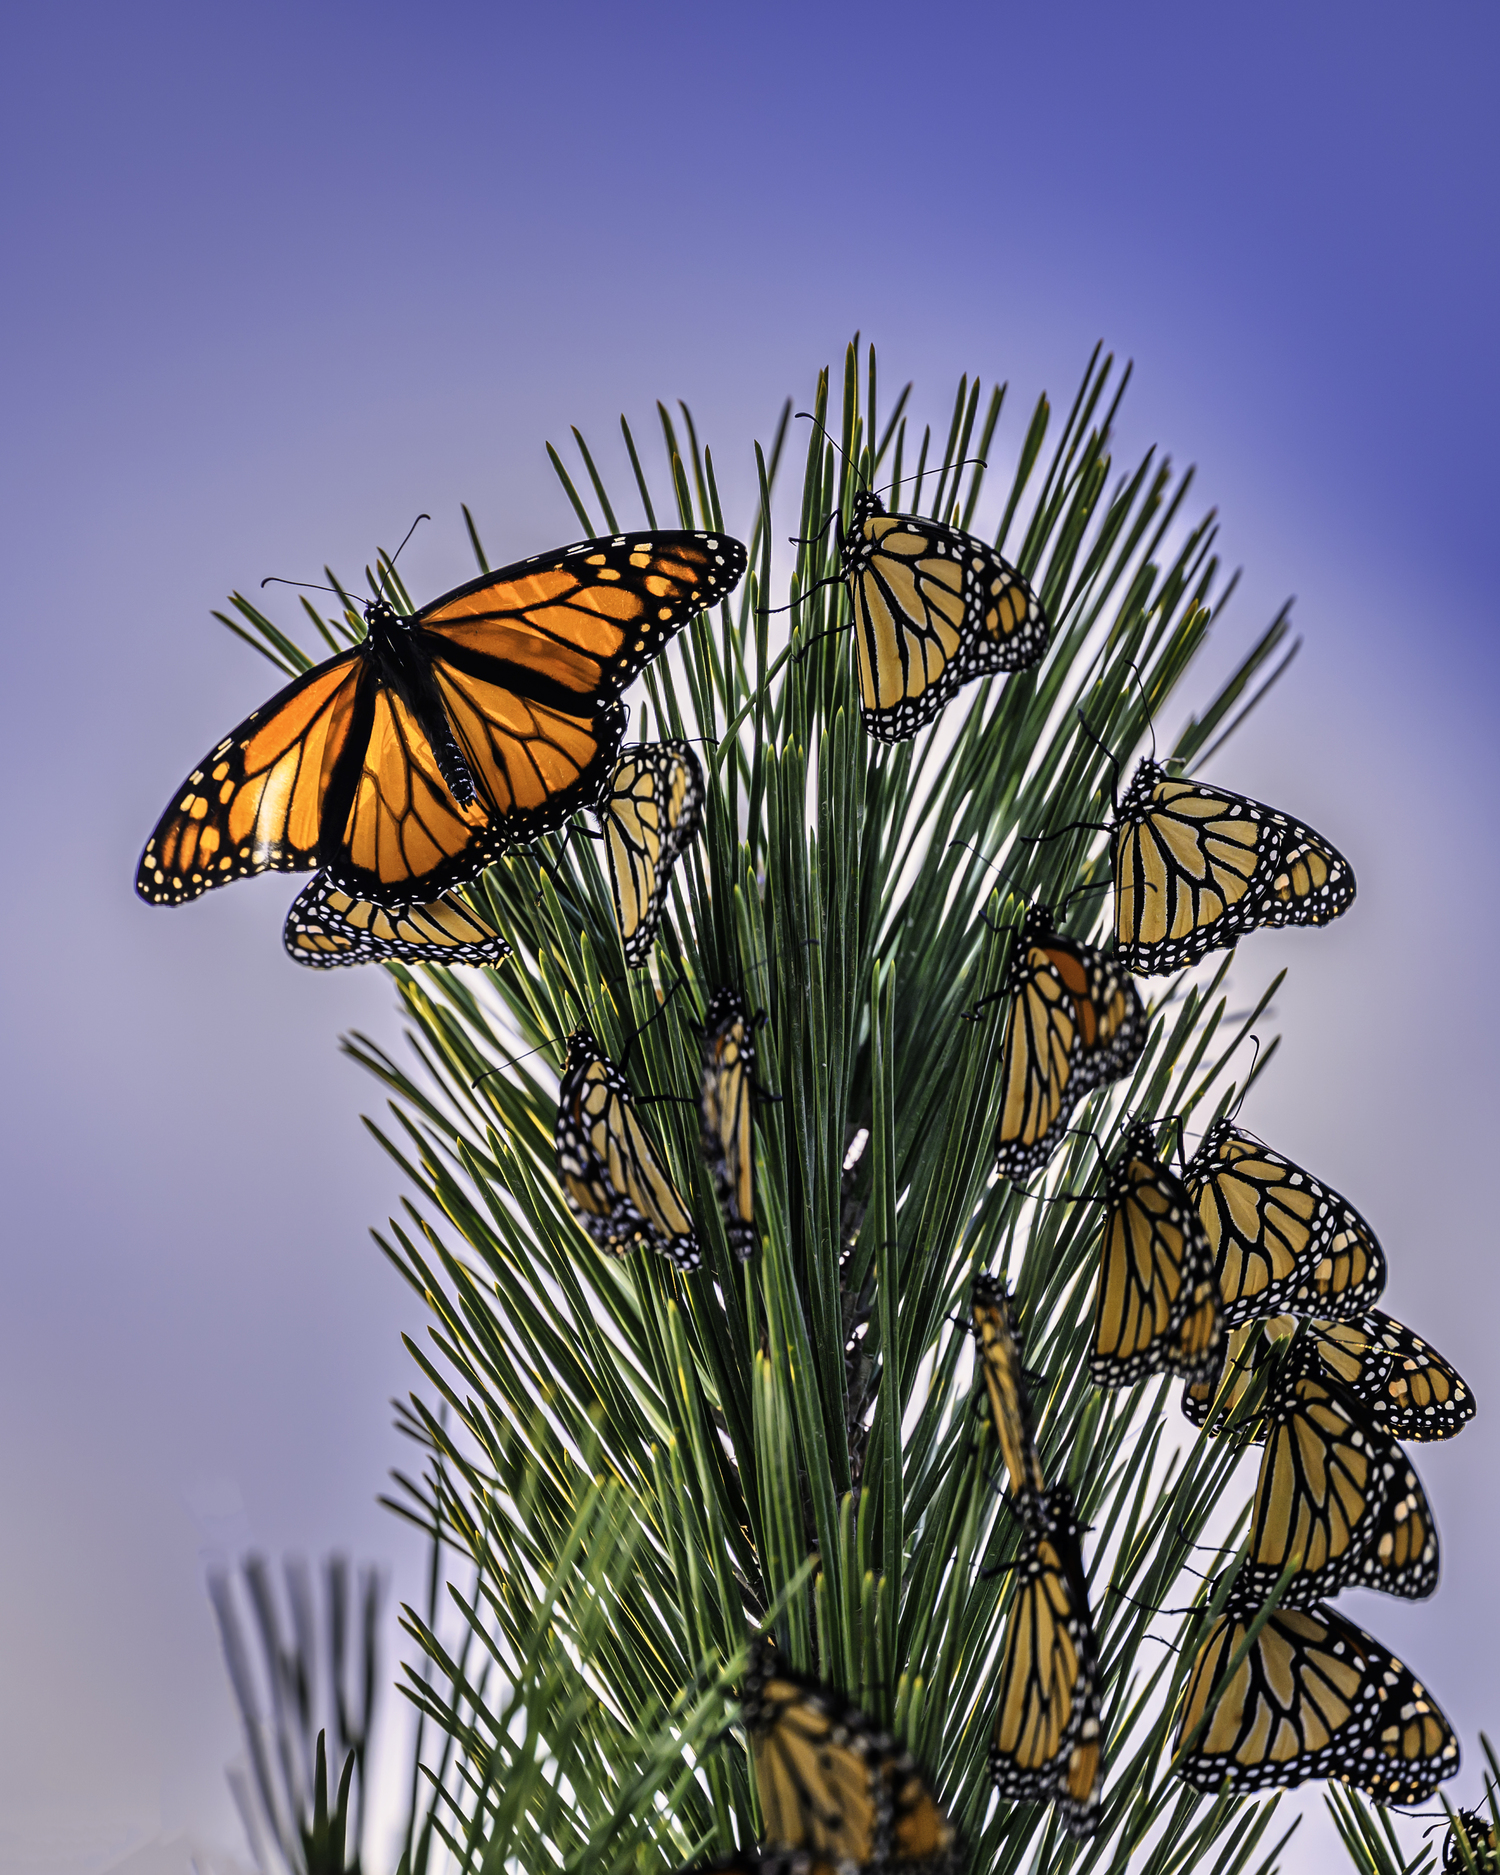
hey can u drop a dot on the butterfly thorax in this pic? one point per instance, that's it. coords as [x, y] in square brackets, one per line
[396, 659]
[1138, 798]
[858, 544]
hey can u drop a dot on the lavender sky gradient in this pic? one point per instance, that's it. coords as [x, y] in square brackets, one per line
[283, 275]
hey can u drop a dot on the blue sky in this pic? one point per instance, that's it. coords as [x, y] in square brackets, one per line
[282, 276]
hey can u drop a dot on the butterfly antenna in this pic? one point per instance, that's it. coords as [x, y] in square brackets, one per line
[307, 585]
[409, 532]
[1108, 754]
[641, 1028]
[854, 467]
[1093, 885]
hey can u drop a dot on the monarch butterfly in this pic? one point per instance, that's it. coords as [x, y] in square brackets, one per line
[1407, 1386]
[724, 1112]
[1197, 867]
[402, 765]
[1281, 1241]
[1005, 1380]
[1157, 1304]
[613, 1177]
[651, 812]
[1481, 1839]
[1048, 1745]
[1075, 1022]
[933, 608]
[326, 927]
[1337, 1494]
[1214, 1399]
[830, 1783]
[1314, 1696]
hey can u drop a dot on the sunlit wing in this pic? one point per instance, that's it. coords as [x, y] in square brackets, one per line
[327, 928]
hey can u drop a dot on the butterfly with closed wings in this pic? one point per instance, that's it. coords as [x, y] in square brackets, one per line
[649, 814]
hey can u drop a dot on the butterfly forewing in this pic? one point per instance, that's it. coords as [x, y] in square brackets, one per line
[255, 803]
[326, 928]
[613, 1176]
[650, 813]
[1281, 1241]
[933, 607]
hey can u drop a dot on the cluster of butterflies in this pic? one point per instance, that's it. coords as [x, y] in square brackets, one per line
[399, 769]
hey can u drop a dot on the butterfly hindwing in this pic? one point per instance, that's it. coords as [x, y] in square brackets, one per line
[1313, 1697]
[1405, 1385]
[1005, 1381]
[1197, 867]
[1281, 1241]
[326, 928]
[402, 766]
[1047, 1745]
[933, 607]
[613, 1175]
[650, 813]
[1157, 1303]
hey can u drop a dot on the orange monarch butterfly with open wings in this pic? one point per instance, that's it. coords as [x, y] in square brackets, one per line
[933, 608]
[402, 766]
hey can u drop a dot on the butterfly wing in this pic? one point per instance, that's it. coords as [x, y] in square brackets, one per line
[1195, 869]
[650, 813]
[613, 1177]
[1326, 1476]
[1074, 1022]
[327, 928]
[1408, 1388]
[1156, 1306]
[255, 802]
[1312, 881]
[1281, 1241]
[1048, 1743]
[725, 1114]
[1313, 1697]
[1403, 1557]
[933, 607]
[1005, 1381]
[817, 1765]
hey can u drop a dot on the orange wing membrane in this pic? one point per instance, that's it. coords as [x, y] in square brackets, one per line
[404, 766]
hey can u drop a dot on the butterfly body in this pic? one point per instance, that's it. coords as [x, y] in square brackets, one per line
[613, 1176]
[1074, 1023]
[933, 608]
[402, 766]
[1197, 867]
[1157, 1304]
[1483, 1841]
[1313, 1697]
